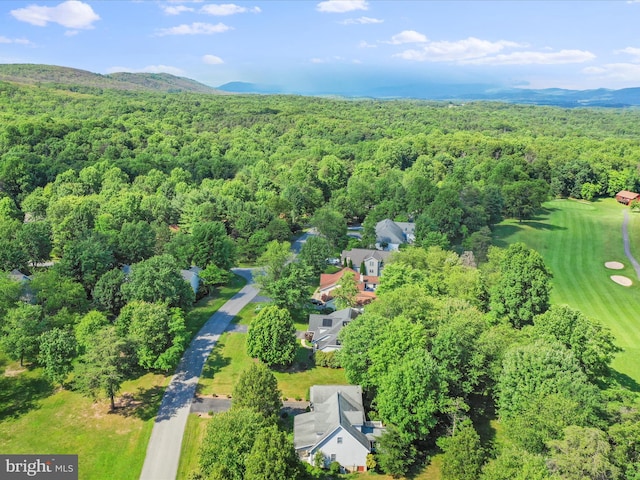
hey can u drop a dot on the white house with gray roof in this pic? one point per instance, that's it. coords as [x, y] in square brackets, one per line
[374, 260]
[336, 427]
[323, 329]
[390, 235]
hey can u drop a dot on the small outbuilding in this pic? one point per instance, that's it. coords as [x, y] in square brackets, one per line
[625, 197]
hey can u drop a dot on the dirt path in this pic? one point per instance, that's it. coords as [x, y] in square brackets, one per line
[627, 245]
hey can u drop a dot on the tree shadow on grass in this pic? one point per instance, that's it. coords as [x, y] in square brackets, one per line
[20, 394]
[214, 364]
[144, 404]
[625, 381]
[541, 225]
[502, 232]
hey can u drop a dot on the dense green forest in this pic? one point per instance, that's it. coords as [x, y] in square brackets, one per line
[96, 179]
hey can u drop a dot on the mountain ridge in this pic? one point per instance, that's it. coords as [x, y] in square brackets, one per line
[26, 73]
[66, 77]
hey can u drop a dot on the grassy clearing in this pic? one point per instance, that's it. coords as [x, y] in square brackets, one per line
[229, 359]
[576, 239]
[36, 419]
[249, 312]
[109, 445]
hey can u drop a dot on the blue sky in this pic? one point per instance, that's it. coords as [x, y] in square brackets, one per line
[319, 44]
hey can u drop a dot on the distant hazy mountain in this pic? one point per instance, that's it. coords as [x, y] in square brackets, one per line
[72, 78]
[464, 92]
[54, 75]
[245, 87]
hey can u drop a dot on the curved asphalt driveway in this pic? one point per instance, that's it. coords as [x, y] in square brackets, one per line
[163, 451]
[627, 247]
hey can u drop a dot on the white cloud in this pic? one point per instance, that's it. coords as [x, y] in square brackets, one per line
[148, 69]
[18, 41]
[175, 10]
[458, 51]
[317, 60]
[225, 9]
[594, 70]
[196, 28]
[70, 14]
[539, 58]
[364, 44]
[71, 33]
[633, 51]
[361, 21]
[342, 6]
[408, 36]
[625, 73]
[212, 60]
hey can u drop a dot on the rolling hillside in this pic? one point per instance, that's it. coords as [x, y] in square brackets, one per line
[51, 75]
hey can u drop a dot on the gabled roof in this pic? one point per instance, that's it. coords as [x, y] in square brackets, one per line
[188, 275]
[329, 279]
[17, 276]
[628, 194]
[334, 406]
[359, 255]
[388, 231]
[325, 328]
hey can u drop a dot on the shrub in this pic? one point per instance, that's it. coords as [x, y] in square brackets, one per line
[327, 359]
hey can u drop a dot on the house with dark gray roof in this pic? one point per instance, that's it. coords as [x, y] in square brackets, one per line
[336, 427]
[374, 260]
[323, 329]
[390, 235]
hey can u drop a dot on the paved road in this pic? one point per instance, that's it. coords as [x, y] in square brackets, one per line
[205, 405]
[301, 240]
[163, 451]
[627, 247]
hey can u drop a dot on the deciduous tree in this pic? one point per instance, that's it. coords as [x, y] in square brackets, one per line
[395, 453]
[212, 245]
[157, 333]
[463, 454]
[58, 349]
[158, 279]
[272, 457]
[346, 291]
[102, 368]
[21, 332]
[228, 442]
[522, 290]
[257, 389]
[272, 336]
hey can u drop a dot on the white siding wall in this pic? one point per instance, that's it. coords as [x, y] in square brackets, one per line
[350, 453]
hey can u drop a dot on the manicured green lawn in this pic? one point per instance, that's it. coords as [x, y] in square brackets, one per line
[575, 239]
[249, 312]
[193, 437]
[229, 359]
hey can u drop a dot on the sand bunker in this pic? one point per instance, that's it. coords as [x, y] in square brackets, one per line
[614, 265]
[620, 280]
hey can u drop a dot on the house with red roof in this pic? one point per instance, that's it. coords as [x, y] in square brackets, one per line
[625, 197]
[366, 286]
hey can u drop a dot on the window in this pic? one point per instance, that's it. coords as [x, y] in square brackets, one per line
[333, 457]
[339, 439]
